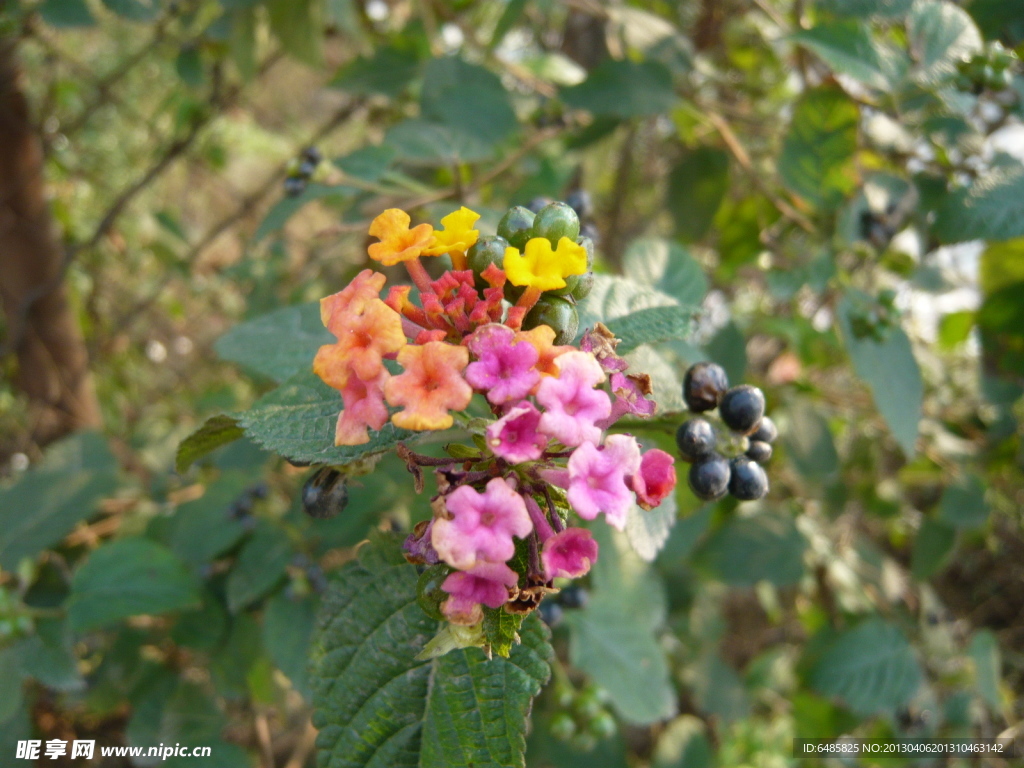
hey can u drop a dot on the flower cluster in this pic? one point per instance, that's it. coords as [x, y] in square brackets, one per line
[501, 533]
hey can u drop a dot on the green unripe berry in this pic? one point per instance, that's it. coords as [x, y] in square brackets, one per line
[563, 727]
[484, 252]
[555, 221]
[516, 226]
[603, 726]
[584, 741]
[557, 313]
[429, 594]
[588, 703]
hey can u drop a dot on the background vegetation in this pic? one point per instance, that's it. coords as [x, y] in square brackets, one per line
[836, 193]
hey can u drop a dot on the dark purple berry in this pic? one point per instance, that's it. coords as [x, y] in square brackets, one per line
[573, 596]
[306, 169]
[580, 202]
[551, 613]
[325, 494]
[537, 203]
[759, 451]
[766, 431]
[742, 408]
[696, 440]
[748, 481]
[709, 479]
[312, 155]
[294, 186]
[703, 386]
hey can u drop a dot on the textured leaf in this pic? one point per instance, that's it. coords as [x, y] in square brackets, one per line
[376, 705]
[747, 550]
[613, 297]
[129, 577]
[297, 421]
[871, 668]
[387, 72]
[816, 160]
[65, 14]
[649, 326]
[468, 99]
[277, 345]
[500, 629]
[850, 48]
[891, 371]
[44, 505]
[696, 187]
[49, 656]
[424, 142]
[623, 89]
[963, 506]
[932, 546]
[614, 637]
[260, 565]
[992, 208]
[217, 431]
[940, 35]
[649, 529]
[666, 266]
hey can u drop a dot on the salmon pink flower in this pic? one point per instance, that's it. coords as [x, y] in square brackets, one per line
[655, 479]
[334, 309]
[569, 554]
[397, 241]
[430, 386]
[363, 340]
[480, 526]
[514, 437]
[543, 340]
[572, 404]
[487, 584]
[364, 407]
[597, 479]
[504, 370]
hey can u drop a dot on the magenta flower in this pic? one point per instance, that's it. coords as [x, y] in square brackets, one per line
[572, 404]
[480, 526]
[569, 554]
[504, 370]
[655, 479]
[486, 583]
[514, 437]
[597, 479]
[601, 343]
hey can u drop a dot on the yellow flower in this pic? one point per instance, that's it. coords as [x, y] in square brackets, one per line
[541, 267]
[397, 241]
[458, 235]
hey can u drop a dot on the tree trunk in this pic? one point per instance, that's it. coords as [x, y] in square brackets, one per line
[52, 362]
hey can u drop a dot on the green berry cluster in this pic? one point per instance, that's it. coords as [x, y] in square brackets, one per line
[582, 717]
[553, 221]
[873, 320]
[15, 619]
[725, 460]
[301, 170]
[990, 69]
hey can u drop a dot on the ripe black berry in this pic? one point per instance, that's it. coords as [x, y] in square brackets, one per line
[294, 186]
[580, 202]
[538, 202]
[759, 451]
[325, 494]
[748, 481]
[696, 440]
[551, 613]
[703, 386]
[766, 431]
[709, 479]
[742, 408]
[573, 596]
[312, 155]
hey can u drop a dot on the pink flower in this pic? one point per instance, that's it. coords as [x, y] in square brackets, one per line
[486, 583]
[481, 525]
[514, 437]
[655, 480]
[364, 407]
[504, 370]
[569, 554]
[601, 342]
[597, 479]
[573, 405]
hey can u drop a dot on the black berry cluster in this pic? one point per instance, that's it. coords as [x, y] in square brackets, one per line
[733, 464]
[301, 170]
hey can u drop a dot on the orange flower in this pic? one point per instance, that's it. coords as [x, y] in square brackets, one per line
[431, 385]
[397, 241]
[363, 340]
[364, 407]
[352, 299]
[543, 339]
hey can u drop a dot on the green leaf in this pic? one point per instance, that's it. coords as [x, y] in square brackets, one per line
[49, 656]
[696, 187]
[387, 72]
[297, 421]
[234, 661]
[963, 505]
[174, 711]
[892, 373]
[44, 505]
[683, 744]
[189, 66]
[649, 529]
[277, 345]
[871, 668]
[134, 10]
[298, 25]
[501, 629]
[955, 328]
[666, 266]
[205, 528]
[422, 142]
[940, 35]
[66, 14]
[217, 431]
[376, 705]
[260, 565]
[932, 546]
[747, 550]
[613, 297]
[11, 676]
[809, 442]
[367, 163]
[614, 637]
[865, 8]
[468, 99]
[287, 207]
[992, 208]
[817, 154]
[649, 326]
[288, 626]
[242, 41]
[728, 348]
[129, 577]
[850, 48]
[718, 690]
[984, 652]
[623, 89]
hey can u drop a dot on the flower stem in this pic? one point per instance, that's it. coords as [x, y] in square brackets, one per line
[526, 302]
[419, 275]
